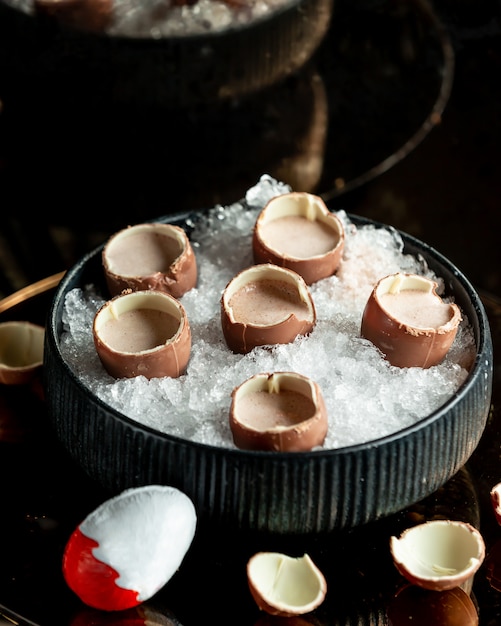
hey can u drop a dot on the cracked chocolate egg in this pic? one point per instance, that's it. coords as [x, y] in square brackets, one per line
[150, 256]
[129, 547]
[21, 351]
[283, 411]
[409, 322]
[143, 333]
[264, 305]
[284, 585]
[439, 554]
[296, 230]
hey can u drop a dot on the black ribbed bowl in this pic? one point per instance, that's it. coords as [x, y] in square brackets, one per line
[294, 493]
[83, 68]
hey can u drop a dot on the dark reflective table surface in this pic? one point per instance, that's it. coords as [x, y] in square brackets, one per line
[375, 124]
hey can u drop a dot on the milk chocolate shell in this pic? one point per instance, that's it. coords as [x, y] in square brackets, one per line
[296, 230]
[150, 256]
[21, 351]
[283, 411]
[409, 322]
[284, 585]
[439, 554]
[264, 305]
[143, 333]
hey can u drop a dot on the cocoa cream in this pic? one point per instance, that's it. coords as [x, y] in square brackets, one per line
[416, 308]
[262, 411]
[142, 253]
[266, 302]
[138, 330]
[299, 237]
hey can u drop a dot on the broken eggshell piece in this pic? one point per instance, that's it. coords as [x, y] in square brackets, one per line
[265, 305]
[21, 351]
[283, 411]
[150, 256]
[439, 554]
[284, 585]
[129, 547]
[296, 230]
[143, 333]
[409, 322]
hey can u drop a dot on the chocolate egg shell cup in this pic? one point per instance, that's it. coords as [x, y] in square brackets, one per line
[162, 252]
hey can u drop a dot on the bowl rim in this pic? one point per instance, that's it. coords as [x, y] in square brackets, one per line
[483, 357]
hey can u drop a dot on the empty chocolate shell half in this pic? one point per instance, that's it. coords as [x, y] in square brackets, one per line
[296, 230]
[21, 351]
[439, 554]
[143, 333]
[264, 305]
[284, 585]
[283, 411]
[409, 322]
[150, 256]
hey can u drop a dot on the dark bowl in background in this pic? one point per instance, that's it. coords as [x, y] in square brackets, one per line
[49, 60]
[283, 493]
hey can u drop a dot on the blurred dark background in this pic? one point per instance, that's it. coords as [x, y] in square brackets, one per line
[448, 191]
[72, 171]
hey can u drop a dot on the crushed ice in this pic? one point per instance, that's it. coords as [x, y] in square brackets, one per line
[366, 397]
